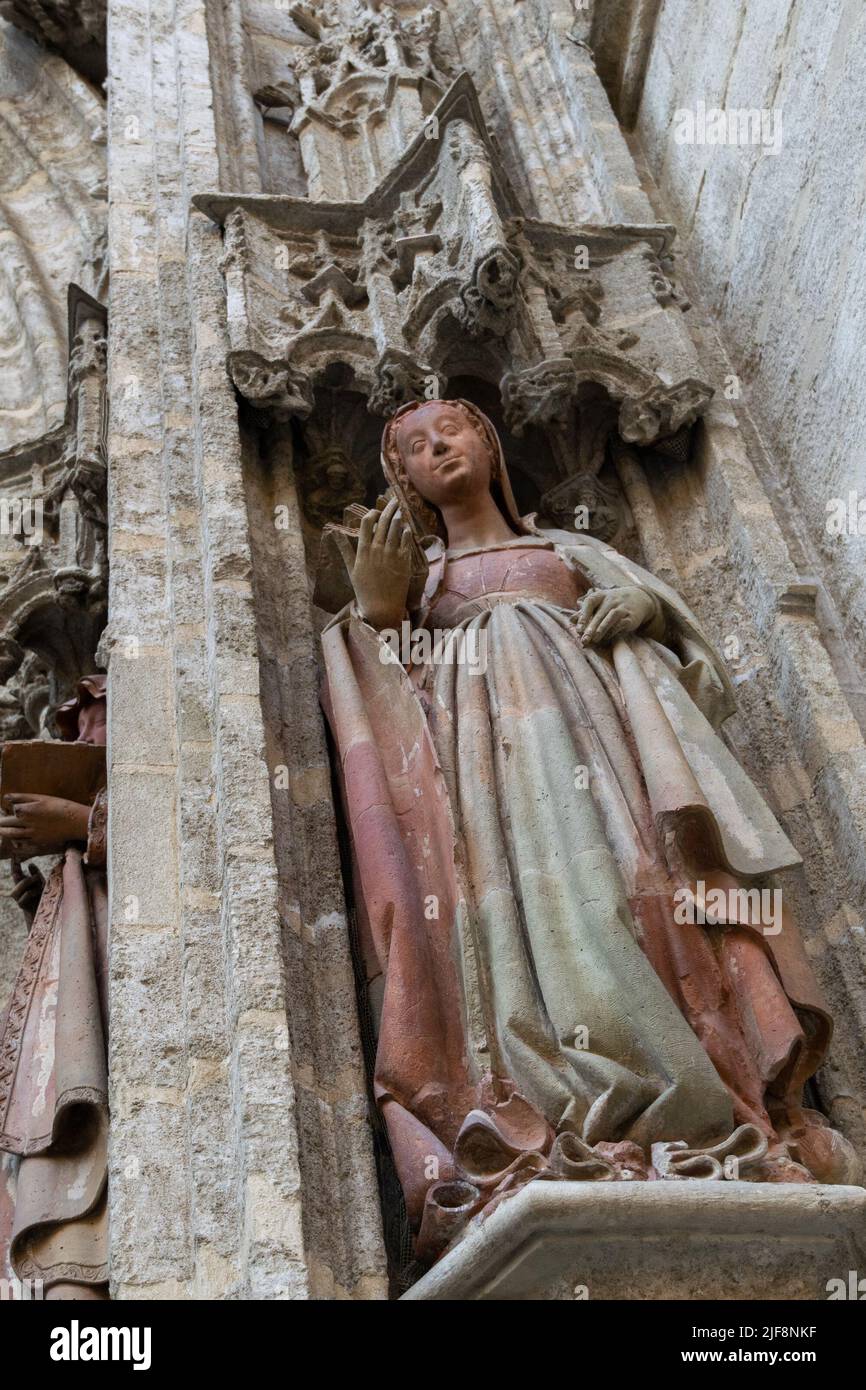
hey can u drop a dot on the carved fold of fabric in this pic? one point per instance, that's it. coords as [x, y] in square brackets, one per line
[699, 794]
[8, 1174]
[746, 1147]
[695, 785]
[509, 823]
[568, 1007]
[763, 1039]
[55, 1108]
[398, 814]
[26, 1121]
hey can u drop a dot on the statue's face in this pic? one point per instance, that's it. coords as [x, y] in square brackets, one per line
[91, 723]
[444, 455]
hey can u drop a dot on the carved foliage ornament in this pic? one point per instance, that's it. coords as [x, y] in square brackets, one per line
[53, 599]
[439, 256]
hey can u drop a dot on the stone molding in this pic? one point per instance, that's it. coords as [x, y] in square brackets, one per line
[664, 1240]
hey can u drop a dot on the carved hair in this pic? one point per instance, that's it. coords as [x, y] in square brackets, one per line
[426, 516]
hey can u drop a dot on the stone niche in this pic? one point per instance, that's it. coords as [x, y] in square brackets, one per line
[436, 276]
[413, 267]
[54, 592]
[419, 276]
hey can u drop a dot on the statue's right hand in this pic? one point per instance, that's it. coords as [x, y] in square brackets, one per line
[50, 821]
[380, 569]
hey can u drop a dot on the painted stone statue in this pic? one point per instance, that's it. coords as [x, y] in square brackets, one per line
[537, 795]
[53, 1068]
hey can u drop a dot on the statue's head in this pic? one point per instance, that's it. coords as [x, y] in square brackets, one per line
[442, 450]
[441, 453]
[83, 718]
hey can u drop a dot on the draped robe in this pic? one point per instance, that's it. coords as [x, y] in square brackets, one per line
[518, 835]
[54, 1083]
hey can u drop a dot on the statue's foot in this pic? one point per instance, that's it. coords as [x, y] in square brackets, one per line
[629, 1160]
[826, 1154]
[779, 1166]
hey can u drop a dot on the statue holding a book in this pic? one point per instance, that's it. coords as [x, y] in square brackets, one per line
[53, 1066]
[543, 824]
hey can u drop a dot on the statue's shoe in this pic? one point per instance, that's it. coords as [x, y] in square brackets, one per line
[826, 1154]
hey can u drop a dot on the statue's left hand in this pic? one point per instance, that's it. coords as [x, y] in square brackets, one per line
[43, 820]
[28, 888]
[608, 613]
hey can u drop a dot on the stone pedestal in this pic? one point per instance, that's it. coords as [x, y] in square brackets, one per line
[687, 1239]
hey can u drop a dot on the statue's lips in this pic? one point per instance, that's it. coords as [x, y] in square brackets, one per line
[456, 458]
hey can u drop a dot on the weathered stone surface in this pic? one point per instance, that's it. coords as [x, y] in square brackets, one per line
[788, 300]
[75, 27]
[685, 1240]
[52, 226]
[243, 1156]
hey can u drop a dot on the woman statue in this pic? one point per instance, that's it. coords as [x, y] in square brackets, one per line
[530, 806]
[53, 1070]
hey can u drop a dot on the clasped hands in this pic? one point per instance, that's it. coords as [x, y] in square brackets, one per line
[49, 822]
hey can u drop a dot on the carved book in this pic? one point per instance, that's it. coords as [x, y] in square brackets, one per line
[333, 586]
[74, 771]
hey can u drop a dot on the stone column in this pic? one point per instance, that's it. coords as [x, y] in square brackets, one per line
[206, 1182]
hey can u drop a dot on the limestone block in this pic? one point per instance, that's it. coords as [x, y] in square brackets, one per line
[667, 1240]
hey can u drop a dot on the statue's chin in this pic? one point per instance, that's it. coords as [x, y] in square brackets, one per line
[452, 490]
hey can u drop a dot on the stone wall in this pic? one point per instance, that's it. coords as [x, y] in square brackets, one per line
[242, 1150]
[778, 242]
[207, 1152]
[52, 225]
